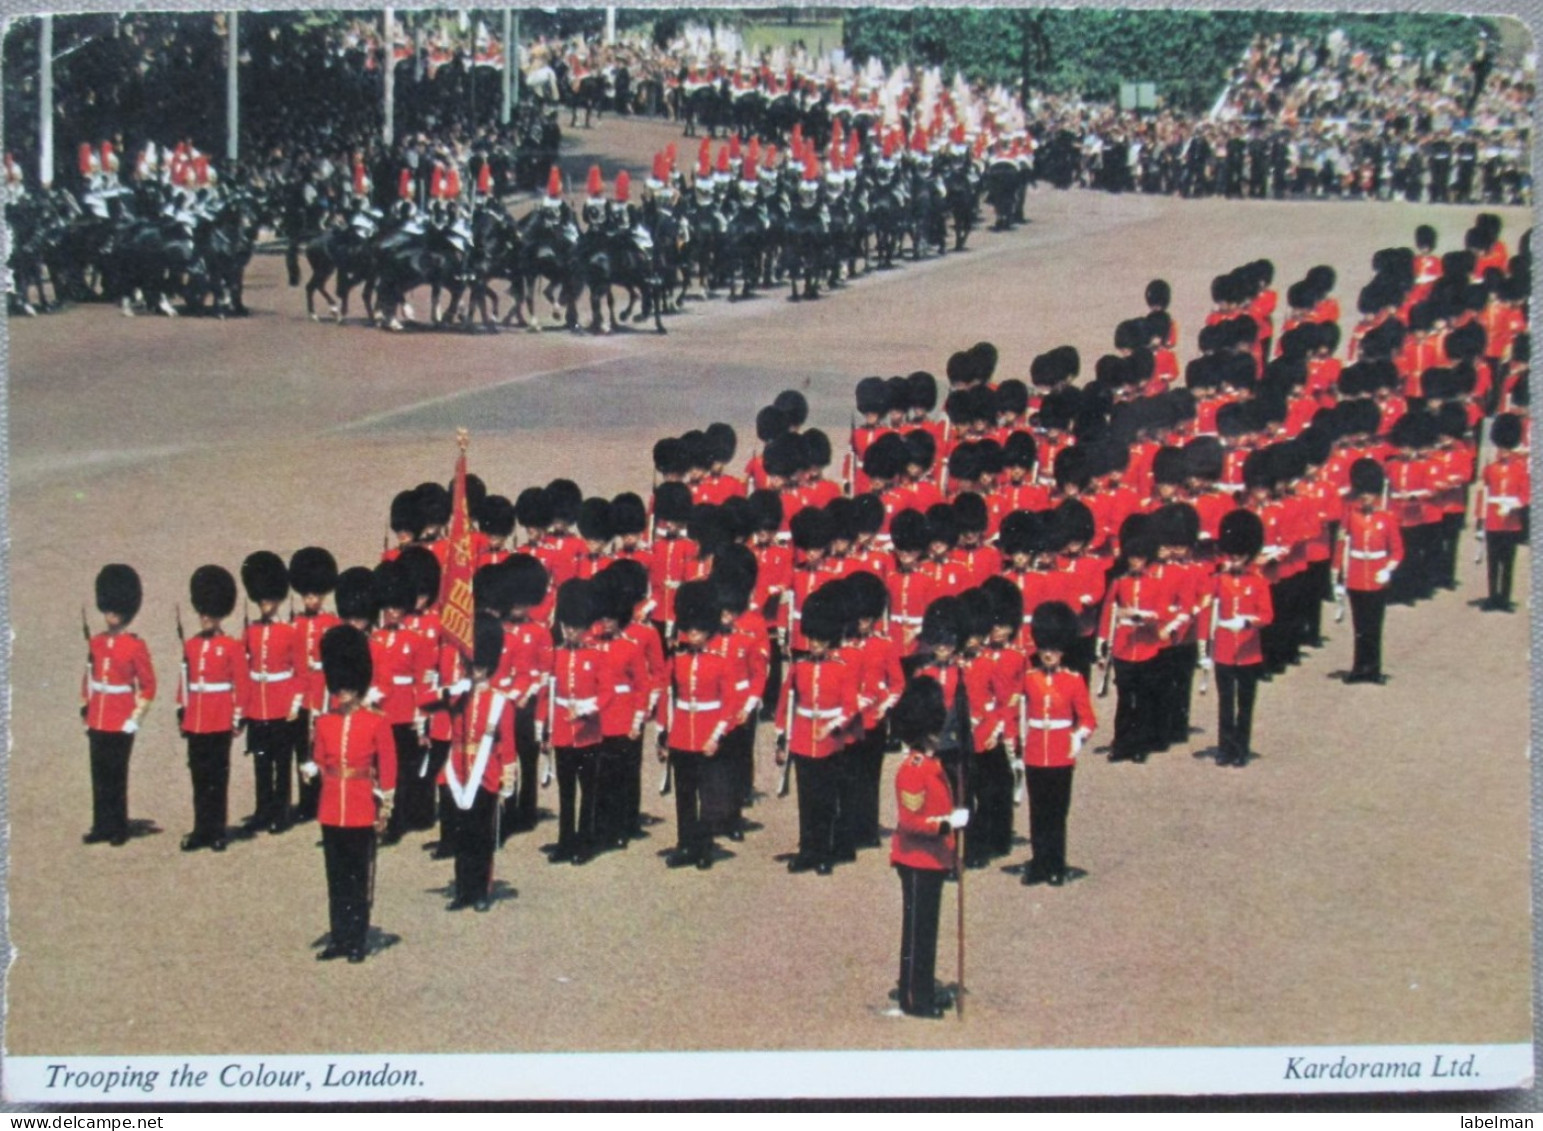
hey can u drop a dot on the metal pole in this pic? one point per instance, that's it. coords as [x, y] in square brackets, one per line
[46, 102]
[610, 26]
[514, 62]
[388, 116]
[509, 64]
[233, 87]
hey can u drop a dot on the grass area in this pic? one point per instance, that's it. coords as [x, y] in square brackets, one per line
[819, 36]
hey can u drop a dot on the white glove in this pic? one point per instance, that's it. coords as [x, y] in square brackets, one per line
[1078, 738]
[1206, 663]
[959, 818]
[1233, 624]
[373, 696]
[459, 687]
[309, 771]
[131, 727]
[1384, 576]
[1340, 592]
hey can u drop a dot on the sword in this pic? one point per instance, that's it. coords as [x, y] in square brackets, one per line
[1018, 772]
[1339, 586]
[784, 783]
[667, 782]
[551, 728]
[1210, 646]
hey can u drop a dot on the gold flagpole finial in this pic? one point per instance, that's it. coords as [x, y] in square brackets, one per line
[462, 438]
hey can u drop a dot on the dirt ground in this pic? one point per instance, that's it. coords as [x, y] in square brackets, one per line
[1365, 880]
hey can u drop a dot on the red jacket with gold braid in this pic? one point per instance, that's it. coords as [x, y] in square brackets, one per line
[356, 756]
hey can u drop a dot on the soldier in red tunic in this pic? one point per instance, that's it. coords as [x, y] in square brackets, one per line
[1504, 498]
[481, 766]
[524, 670]
[118, 688]
[1371, 551]
[401, 662]
[1055, 720]
[276, 694]
[922, 851]
[355, 757]
[577, 697]
[692, 719]
[212, 694]
[313, 572]
[1239, 607]
[818, 704]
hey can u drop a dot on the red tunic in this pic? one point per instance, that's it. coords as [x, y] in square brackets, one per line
[692, 710]
[910, 592]
[880, 678]
[216, 688]
[1055, 706]
[276, 657]
[1137, 642]
[402, 665]
[922, 796]
[468, 725]
[1372, 545]
[310, 629]
[120, 678]
[1507, 487]
[988, 698]
[526, 663]
[674, 563]
[357, 757]
[630, 687]
[1234, 595]
[582, 687]
[820, 693]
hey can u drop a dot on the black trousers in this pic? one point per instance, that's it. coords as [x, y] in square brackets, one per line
[1367, 609]
[869, 765]
[1080, 657]
[410, 757]
[1135, 712]
[1236, 688]
[1050, 799]
[577, 772]
[1451, 545]
[209, 766]
[922, 898]
[728, 774]
[423, 798]
[1500, 557]
[474, 840]
[819, 805]
[272, 743]
[632, 782]
[1320, 588]
[307, 793]
[991, 805]
[110, 752]
[520, 811]
[350, 859]
[692, 833]
[612, 827]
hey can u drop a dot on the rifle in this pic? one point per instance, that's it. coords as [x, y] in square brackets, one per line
[785, 782]
[849, 464]
[667, 782]
[959, 869]
[1106, 665]
[182, 648]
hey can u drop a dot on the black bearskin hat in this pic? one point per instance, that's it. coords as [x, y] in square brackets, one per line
[118, 590]
[313, 570]
[265, 577]
[345, 660]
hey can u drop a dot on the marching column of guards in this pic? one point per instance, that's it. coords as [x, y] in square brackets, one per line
[1035, 547]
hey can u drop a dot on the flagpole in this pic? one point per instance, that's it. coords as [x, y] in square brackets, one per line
[46, 102]
[387, 26]
[508, 102]
[232, 86]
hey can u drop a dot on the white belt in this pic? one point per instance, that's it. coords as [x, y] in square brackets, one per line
[623, 688]
[834, 713]
[315, 665]
[1504, 501]
[112, 688]
[403, 680]
[272, 677]
[582, 706]
[1368, 555]
[698, 705]
[915, 620]
[742, 685]
[207, 688]
[1049, 724]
